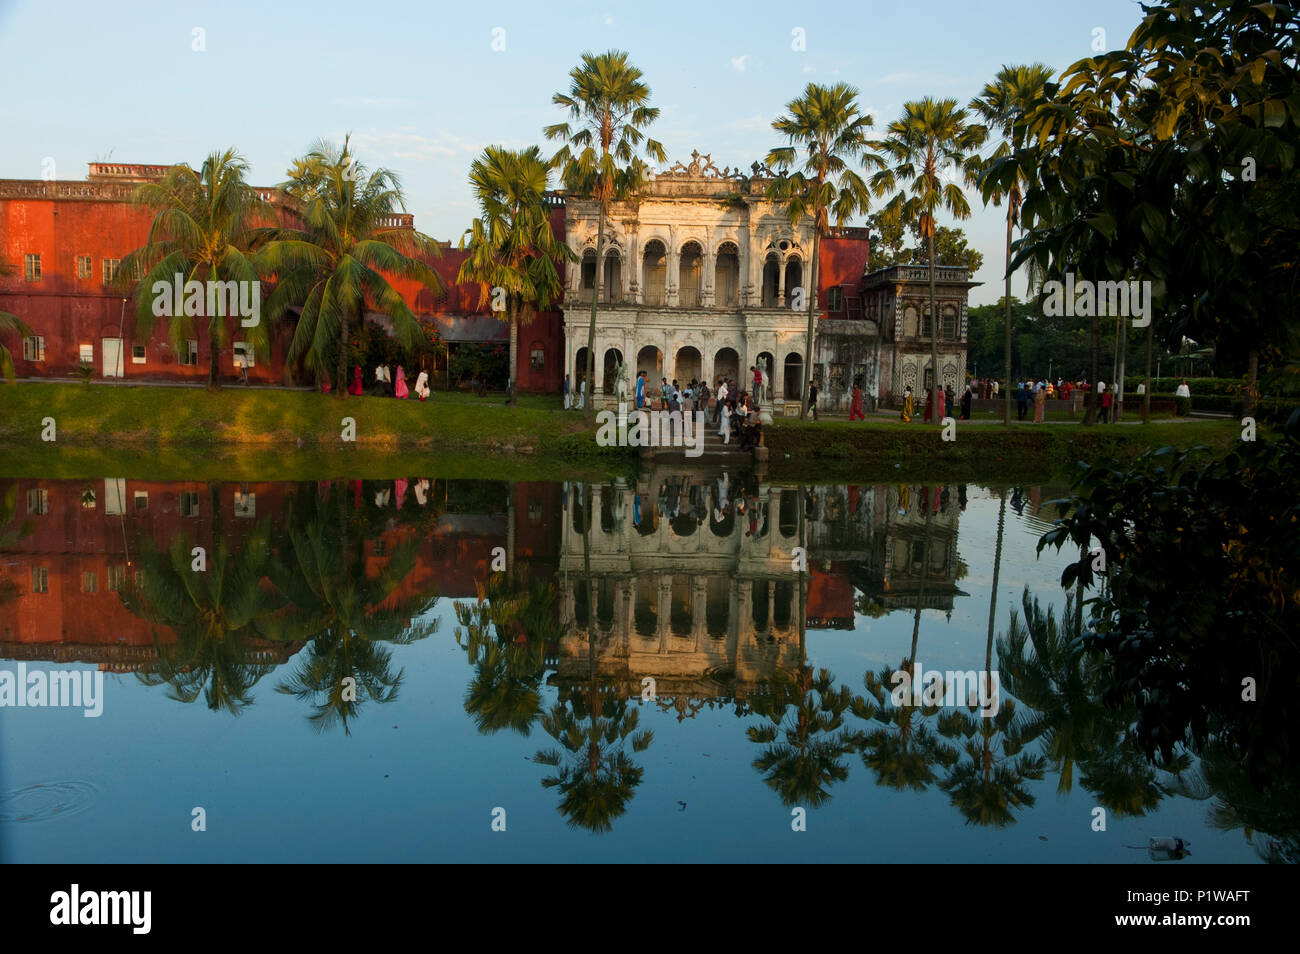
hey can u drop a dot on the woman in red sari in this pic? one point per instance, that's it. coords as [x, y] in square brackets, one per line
[356, 388]
[855, 408]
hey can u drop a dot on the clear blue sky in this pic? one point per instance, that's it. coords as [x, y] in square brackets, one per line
[421, 89]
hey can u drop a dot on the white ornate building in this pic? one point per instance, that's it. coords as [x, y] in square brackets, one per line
[703, 277]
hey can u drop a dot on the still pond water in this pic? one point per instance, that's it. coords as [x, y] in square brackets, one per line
[677, 668]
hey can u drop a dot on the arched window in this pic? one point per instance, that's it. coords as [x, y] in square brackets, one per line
[690, 275]
[588, 275]
[726, 275]
[655, 272]
[611, 291]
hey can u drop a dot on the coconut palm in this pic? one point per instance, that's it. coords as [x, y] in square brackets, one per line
[931, 142]
[826, 125]
[1003, 105]
[511, 245]
[205, 224]
[601, 158]
[337, 262]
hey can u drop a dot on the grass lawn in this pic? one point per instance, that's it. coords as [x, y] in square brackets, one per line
[241, 433]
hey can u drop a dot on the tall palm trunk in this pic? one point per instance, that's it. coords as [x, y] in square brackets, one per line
[812, 320]
[343, 357]
[1252, 382]
[590, 410]
[1006, 354]
[993, 597]
[1094, 348]
[1150, 386]
[514, 351]
[937, 395]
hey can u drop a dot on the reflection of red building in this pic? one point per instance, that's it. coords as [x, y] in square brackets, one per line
[830, 596]
[63, 240]
[73, 544]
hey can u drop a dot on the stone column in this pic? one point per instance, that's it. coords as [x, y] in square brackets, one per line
[634, 293]
[698, 600]
[771, 606]
[780, 283]
[663, 627]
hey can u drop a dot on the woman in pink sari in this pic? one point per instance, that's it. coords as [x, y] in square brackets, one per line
[399, 387]
[356, 388]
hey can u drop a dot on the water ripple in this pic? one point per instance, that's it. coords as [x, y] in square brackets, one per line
[46, 800]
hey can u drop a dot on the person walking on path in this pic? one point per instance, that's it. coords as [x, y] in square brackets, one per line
[1040, 403]
[399, 389]
[422, 384]
[812, 401]
[640, 390]
[948, 399]
[1182, 399]
[1106, 398]
[568, 394]
[929, 406]
[855, 405]
[965, 403]
[725, 430]
[582, 395]
[1022, 401]
[909, 405]
[358, 387]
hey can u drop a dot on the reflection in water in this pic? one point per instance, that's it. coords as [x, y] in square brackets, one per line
[671, 597]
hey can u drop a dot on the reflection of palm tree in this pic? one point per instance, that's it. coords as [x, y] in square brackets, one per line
[1052, 674]
[803, 766]
[989, 787]
[505, 638]
[903, 750]
[596, 777]
[345, 613]
[212, 613]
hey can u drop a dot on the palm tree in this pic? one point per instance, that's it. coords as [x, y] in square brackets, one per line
[825, 124]
[339, 261]
[1002, 105]
[931, 139]
[600, 158]
[512, 246]
[203, 228]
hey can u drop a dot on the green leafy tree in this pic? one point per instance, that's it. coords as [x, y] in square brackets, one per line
[511, 244]
[338, 260]
[931, 142]
[608, 114]
[205, 225]
[826, 125]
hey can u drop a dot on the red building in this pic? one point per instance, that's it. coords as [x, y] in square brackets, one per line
[61, 244]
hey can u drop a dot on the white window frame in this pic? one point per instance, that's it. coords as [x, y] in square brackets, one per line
[84, 266]
[86, 353]
[111, 267]
[138, 358]
[34, 348]
[190, 356]
[32, 267]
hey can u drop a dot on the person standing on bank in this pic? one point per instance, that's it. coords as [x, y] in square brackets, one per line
[965, 403]
[855, 404]
[568, 394]
[909, 405]
[812, 401]
[1040, 403]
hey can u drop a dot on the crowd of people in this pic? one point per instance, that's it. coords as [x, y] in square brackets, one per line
[725, 406]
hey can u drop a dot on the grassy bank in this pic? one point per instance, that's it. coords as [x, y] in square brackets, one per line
[253, 419]
[877, 449]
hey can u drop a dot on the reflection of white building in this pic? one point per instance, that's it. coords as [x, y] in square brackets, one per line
[679, 594]
[703, 277]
